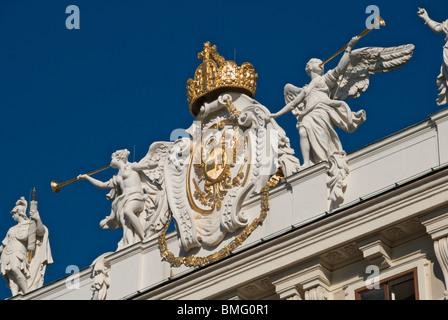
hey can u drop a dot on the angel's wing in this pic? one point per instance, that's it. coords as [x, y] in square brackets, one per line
[155, 161]
[291, 92]
[156, 205]
[367, 61]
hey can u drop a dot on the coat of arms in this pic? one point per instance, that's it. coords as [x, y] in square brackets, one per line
[220, 162]
[234, 149]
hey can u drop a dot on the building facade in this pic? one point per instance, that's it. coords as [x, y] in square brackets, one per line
[387, 240]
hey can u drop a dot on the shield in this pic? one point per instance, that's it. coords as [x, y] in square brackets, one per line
[218, 164]
[230, 156]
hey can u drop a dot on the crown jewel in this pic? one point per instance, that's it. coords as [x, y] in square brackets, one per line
[215, 74]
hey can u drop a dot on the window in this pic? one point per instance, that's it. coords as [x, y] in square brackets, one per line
[400, 287]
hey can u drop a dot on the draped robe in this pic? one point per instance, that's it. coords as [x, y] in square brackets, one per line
[322, 114]
[442, 79]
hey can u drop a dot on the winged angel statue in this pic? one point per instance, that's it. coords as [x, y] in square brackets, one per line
[320, 106]
[442, 79]
[139, 204]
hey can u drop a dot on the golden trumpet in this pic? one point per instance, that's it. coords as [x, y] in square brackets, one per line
[55, 186]
[378, 22]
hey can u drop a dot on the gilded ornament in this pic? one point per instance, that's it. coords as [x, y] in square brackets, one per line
[215, 74]
[213, 174]
[193, 261]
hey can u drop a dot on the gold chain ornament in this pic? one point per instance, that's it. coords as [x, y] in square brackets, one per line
[193, 261]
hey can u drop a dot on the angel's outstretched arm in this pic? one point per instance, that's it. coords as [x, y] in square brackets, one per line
[290, 106]
[433, 25]
[97, 183]
[345, 60]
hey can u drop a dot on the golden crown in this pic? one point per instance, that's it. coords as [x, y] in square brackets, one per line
[211, 80]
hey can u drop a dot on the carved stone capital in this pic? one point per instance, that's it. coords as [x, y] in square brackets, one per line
[293, 285]
[316, 283]
[291, 293]
[316, 293]
[294, 297]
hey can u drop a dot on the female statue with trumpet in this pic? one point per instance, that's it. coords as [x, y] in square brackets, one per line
[442, 79]
[320, 106]
[317, 113]
[127, 195]
[139, 206]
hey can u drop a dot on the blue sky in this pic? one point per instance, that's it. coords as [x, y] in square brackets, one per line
[70, 98]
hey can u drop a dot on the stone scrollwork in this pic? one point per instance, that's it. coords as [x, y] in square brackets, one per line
[316, 293]
[194, 261]
[337, 172]
[234, 150]
[269, 133]
[294, 298]
[101, 277]
[436, 225]
[441, 250]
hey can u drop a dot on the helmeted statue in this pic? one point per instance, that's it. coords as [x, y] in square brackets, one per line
[25, 250]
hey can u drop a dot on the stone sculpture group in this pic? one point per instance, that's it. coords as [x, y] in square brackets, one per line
[236, 146]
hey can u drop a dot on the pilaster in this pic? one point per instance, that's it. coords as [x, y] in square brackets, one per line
[310, 281]
[436, 225]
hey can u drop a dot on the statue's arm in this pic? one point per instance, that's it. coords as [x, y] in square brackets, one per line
[345, 60]
[40, 229]
[97, 183]
[290, 106]
[435, 26]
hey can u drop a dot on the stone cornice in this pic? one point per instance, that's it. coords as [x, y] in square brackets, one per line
[419, 197]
